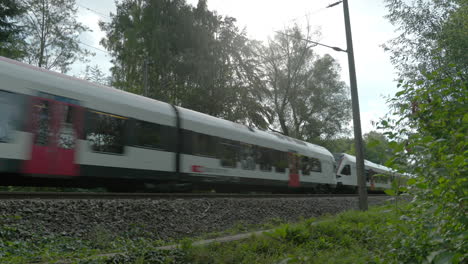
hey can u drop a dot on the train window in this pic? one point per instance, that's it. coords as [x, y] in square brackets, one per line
[42, 118]
[228, 153]
[305, 166]
[310, 164]
[264, 158]
[280, 161]
[67, 135]
[247, 157]
[382, 178]
[204, 145]
[11, 111]
[346, 170]
[105, 132]
[315, 165]
[147, 135]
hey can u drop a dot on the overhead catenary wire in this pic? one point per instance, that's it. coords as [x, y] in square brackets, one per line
[308, 14]
[310, 41]
[94, 11]
[101, 50]
[313, 42]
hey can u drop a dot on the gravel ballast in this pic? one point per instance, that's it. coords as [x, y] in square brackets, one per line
[161, 219]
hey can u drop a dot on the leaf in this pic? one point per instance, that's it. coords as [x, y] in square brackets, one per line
[400, 93]
[411, 181]
[444, 258]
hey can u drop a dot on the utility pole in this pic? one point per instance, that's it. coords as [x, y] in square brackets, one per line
[356, 113]
[355, 105]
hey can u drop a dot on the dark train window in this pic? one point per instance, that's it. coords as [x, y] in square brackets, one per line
[247, 157]
[382, 178]
[315, 164]
[67, 135]
[148, 135]
[228, 153]
[11, 111]
[204, 145]
[264, 158]
[105, 132]
[346, 170]
[280, 161]
[310, 164]
[305, 166]
[42, 117]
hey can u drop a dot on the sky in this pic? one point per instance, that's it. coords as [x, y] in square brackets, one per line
[261, 18]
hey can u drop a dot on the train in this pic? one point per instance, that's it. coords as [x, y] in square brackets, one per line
[58, 130]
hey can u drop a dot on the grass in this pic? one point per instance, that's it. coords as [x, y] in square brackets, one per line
[351, 237]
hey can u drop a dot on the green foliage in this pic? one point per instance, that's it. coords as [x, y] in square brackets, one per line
[352, 237]
[290, 233]
[52, 34]
[376, 146]
[432, 33]
[438, 158]
[429, 128]
[94, 74]
[10, 32]
[148, 257]
[309, 100]
[195, 58]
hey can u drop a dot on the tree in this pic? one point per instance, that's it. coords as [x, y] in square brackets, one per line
[376, 147]
[339, 145]
[428, 128]
[52, 34]
[432, 34]
[10, 32]
[309, 100]
[94, 74]
[195, 58]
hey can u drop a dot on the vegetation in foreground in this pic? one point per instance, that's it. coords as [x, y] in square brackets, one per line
[351, 237]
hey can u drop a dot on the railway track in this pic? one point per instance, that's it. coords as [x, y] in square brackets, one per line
[156, 196]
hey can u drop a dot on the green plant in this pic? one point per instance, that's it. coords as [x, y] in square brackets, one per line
[430, 143]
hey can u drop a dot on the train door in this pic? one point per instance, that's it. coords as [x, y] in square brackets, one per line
[293, 170]
[56, 124]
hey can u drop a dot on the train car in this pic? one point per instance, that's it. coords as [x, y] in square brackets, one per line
[378, 177]
[216, 150]
[60, 130]
[59, 127]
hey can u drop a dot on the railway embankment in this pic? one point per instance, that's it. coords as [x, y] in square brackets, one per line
[161, 219]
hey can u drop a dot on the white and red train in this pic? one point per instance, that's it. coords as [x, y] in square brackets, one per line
[56, 129]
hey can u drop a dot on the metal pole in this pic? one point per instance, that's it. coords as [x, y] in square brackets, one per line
[356, 115]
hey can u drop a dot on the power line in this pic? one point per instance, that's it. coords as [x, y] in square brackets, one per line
[94, 11]
[308, 14]
[313, 42]
[101, 50]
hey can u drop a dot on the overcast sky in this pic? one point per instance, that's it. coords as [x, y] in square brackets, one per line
[261, 18]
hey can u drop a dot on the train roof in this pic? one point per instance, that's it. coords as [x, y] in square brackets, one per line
[92, 95]
[211, 125]
[367, 163]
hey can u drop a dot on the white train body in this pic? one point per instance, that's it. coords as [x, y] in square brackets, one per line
[378, 177]
[53, 126]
